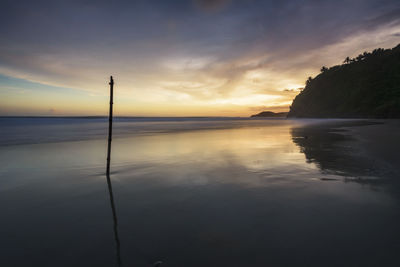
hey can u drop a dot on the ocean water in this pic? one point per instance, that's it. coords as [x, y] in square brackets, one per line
[198, 192]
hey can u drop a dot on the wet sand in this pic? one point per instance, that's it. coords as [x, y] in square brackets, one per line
[381, 141]
[264, 193]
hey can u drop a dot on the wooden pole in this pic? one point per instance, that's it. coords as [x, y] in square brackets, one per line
[110, 119]
[110, 191]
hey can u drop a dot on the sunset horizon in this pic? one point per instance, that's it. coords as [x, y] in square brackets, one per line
[185, 58]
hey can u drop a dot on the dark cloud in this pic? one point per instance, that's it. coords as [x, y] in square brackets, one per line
[249, 25]
[211, 5]
[391, 16]
[64, 40]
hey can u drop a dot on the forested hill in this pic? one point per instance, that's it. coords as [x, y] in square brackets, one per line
[367, 86]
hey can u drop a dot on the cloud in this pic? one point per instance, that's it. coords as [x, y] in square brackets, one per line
[169, 52]
[392, 16]
[211, 5]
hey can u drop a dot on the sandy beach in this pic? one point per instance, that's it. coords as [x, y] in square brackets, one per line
[230, 193]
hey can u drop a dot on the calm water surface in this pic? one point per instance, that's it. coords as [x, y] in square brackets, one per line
[230, 193]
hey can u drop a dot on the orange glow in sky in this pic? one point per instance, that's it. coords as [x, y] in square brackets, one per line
[217, 58]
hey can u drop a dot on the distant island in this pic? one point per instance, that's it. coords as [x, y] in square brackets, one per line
[367, 86]
[270, 114]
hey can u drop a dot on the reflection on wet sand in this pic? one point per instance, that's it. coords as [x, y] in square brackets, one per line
[115, 219]
[334, 150]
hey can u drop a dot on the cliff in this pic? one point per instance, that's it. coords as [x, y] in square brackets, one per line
[367, 86]
[270, 114]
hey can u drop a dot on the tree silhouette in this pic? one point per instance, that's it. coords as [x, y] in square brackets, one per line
[364, 87]
[360, 57]
[309, 80]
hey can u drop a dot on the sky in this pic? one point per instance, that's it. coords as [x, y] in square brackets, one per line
[176, 57]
